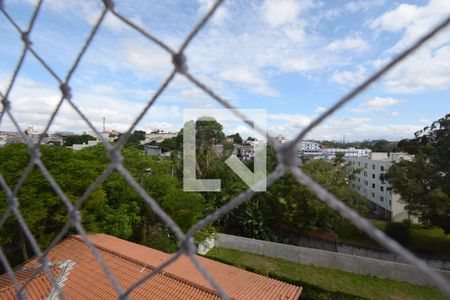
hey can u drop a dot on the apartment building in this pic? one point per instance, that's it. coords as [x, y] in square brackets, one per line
[367, 183]
[310, 150]
[330, 153]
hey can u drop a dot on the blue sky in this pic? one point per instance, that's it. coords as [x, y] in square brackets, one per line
[293, 58]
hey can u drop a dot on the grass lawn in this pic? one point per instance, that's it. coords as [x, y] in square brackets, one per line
[323, 283]
[425, 241]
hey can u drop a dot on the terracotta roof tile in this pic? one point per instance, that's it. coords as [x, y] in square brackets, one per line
[129, 262]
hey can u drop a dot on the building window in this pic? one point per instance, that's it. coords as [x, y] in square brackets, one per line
[373, 176]
[381, 198]
[382, 188]
[365, 173]
[373, 185]
[382, 168]
[373, 195]
[373, 167]
[390, 202]
[359, 179]
[366, 182]
[365, 165]
[359, 164]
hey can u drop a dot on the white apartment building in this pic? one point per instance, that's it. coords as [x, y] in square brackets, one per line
[330, 153]
[310, 149]
[368, 184]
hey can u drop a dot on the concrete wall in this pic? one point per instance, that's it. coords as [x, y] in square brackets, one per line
[333, 260]
[205, 246]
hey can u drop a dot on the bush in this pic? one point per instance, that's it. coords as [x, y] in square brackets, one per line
[399, 232]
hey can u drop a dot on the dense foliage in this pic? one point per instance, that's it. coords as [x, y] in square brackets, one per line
[78, 139]
[115, 208]
[424, 183]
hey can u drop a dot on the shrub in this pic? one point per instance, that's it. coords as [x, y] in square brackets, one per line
[399, 232]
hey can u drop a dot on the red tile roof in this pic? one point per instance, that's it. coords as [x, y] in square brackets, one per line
[82, 277]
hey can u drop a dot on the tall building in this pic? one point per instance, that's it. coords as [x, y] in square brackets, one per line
[367, 183]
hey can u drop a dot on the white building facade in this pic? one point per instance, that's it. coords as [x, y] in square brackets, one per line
[310, 149]
[367, 183]
[330, 153]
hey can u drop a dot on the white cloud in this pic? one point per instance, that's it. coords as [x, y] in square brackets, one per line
[354, 43]
[395, 114]
[413, 21]
[146, 58]
[220, 15]
[425, 121]
[349, 77]
[303, 64]
[365, 5]
[427, 68]
[294, 120]
[280, 12]
[88, 11]
[351, 7]
[32, 104]
[249, 78]
[319, 109]
[376, 104]
[352, 128]
[245, 40]
[397, 19]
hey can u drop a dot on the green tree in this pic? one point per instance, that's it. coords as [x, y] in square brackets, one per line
[237, 139]
[424, 182]
[136, 137]
[78, 139]
[169, 144]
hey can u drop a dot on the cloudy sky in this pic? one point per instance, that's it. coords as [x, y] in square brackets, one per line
[292, 58]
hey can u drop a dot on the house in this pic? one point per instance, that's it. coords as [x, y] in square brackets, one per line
[381, 200]
[79, 275]
[152, 149]
[158, 136]
[245, 152]
[229, 139]
[53, 140]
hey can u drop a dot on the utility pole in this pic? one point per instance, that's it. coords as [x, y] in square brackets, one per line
[104, 119]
